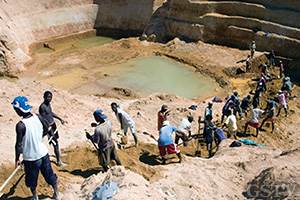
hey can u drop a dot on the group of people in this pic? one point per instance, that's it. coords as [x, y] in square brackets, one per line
[33, 127]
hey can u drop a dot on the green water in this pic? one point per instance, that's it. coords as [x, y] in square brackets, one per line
[76, 45]
[161, 75]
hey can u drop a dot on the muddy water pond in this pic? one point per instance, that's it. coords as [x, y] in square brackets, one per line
[153, 74]
[76, 45]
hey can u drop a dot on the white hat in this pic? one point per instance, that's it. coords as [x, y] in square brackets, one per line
[210, 102]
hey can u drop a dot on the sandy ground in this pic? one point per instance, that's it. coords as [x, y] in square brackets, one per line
[228, 175]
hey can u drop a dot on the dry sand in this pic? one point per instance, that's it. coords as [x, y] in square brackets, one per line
[227, 175]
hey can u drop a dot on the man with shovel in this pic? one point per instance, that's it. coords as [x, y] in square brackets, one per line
[165, 141]
[30, 131]
[102, 136]
[46, 111]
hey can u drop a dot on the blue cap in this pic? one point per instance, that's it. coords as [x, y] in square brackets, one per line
[22, 103]
[99, 113]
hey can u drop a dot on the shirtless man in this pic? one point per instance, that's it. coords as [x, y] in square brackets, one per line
[46, 111]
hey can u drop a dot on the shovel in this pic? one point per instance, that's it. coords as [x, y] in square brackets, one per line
[152, 136]
[198, 152]
[89, 136]
[14, 172]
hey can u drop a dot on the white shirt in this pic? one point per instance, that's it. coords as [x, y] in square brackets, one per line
[255, 115]
[33, 145]
[125, 117]
[185, 125]
[231, 123]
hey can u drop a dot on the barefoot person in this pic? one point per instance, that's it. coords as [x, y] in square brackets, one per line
[125, 121]
[30, 131]
[46, 111]
[102, 136]
[165, 141]
[254, 122]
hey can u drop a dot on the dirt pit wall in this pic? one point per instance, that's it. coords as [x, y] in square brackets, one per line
[24, 23]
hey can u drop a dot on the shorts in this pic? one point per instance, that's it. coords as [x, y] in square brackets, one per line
[104, 157]
[255, 125]
[171, 148]
[131, 126]
[271, 120]
[32, 169]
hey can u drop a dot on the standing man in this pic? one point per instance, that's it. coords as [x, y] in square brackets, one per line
[281, 69]
[228, 105]
[246, 104]
[282, 102]
[208, 134]
[209, 110]
[248, 63]
[271, 115]
[252, 48]
[102, 136]
[30, 131]
[184, 126]
[125, 121]
[272, 58]
[165, 141]
[231, 124]
[254, 122]
[46, 111]
[237, 106]
[287, 85]
[162, 116]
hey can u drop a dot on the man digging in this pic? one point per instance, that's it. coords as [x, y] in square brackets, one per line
[102, 136]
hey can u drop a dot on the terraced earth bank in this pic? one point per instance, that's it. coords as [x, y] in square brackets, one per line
[211, 37]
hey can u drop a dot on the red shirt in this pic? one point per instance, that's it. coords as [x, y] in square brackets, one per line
[161, 118]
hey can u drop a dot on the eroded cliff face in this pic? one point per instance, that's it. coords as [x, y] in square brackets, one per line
[23, 23]
[124, 17]
[272, 24]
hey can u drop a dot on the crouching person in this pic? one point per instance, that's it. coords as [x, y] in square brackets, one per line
[102, 136]
[165, 141]
[30, 131]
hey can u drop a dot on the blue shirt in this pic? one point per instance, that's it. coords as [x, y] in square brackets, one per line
[219, 134]
[165, 135]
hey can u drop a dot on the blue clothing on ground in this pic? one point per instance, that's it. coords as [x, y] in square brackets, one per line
[251, 142]
[219, 134]
[105, 191]
[165, 135]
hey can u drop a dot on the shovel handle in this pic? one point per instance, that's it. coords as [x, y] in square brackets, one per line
[8, 179]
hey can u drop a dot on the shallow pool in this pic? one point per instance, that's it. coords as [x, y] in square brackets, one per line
[155, 74]
[76, 45]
